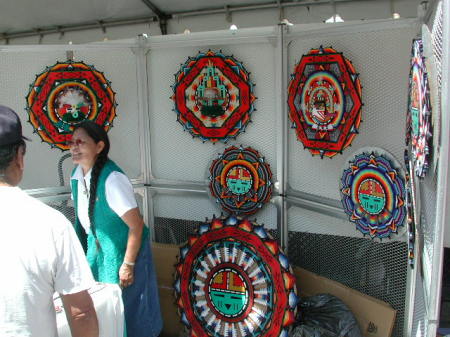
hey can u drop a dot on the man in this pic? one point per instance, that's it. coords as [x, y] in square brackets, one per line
[39, 254]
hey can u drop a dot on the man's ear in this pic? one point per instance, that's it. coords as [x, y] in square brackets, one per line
[20, 158]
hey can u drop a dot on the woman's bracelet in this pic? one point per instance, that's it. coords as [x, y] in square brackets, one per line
[129, 263]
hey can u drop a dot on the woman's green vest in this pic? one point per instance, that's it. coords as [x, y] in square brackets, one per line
[111, 231]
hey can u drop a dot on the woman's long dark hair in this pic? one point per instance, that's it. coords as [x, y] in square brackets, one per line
[97, 133]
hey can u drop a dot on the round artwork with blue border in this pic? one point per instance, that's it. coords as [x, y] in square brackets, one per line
[373, 194]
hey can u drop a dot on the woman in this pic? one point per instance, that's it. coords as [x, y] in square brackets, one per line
[117, 244]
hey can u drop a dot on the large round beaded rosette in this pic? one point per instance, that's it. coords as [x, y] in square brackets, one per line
[418, 118]
[240, 180]
[213, 96]
[232, 279]
[373, 194]
[324, 98]
[65, 95]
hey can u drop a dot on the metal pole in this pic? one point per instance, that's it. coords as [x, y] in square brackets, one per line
[280, 84]
[443, 187]
[141, 51]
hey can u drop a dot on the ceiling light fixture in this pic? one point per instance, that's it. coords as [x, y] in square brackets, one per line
[233, 27]
[286, 22]
[335, 18]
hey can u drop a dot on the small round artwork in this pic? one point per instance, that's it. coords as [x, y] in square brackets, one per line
[65, 95]
[232, 279]
[213, 96]
[373, 194]
[324, 99]
[418, 118]
[240, 180]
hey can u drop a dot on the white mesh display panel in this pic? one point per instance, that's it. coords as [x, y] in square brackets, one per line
[329, 247]
[198, 207]
[382, 59]
[175, 154]
[302, 220]
[437, 30]
[17, 72]
[418, 319]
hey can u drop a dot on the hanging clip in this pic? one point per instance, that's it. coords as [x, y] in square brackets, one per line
[102, 26]
[69, 55]
[228, 14]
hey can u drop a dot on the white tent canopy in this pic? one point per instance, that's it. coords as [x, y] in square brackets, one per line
[38, 18]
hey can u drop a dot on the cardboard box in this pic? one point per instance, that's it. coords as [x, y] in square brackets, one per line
[165, 258]
[376, 318]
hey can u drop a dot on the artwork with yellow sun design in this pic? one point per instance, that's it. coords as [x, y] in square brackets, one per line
[240, 180]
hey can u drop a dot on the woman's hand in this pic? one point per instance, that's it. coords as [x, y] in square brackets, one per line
[126, 275]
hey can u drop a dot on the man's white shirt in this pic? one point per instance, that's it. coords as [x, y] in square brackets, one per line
[40, 254]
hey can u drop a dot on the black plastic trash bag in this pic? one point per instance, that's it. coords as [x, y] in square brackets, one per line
[325, 315]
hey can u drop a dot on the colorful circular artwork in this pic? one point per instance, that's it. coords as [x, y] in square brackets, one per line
[232, 279]
[66, 94]
[373, 195]
[240, 180]
[213, 96]
[324, 98]
[418, 120]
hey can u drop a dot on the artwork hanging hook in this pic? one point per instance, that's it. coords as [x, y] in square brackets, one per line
[69, 55]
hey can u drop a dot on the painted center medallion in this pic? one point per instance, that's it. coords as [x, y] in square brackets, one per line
[323, 98]
[239, 180]
[228, 292]
[72, 103]
[372, 196]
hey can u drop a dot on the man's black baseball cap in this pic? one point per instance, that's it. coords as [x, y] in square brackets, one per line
[10, 127]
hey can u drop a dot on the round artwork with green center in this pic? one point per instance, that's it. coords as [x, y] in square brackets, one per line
[240, 180]
[233, 280]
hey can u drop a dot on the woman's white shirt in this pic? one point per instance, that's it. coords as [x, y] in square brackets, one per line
[119, 194]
